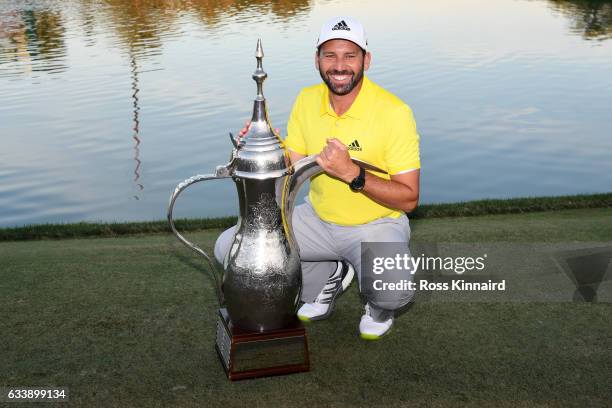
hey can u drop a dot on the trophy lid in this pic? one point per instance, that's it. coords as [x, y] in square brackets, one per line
[260, 153]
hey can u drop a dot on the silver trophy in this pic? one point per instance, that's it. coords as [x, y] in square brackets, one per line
[262, 280]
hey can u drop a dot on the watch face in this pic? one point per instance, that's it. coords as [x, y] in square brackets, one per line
[357, 185]
[358, 182]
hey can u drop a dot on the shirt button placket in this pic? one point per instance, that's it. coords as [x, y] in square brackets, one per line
[334, 128]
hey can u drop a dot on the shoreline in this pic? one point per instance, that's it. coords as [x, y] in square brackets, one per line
[460, 209]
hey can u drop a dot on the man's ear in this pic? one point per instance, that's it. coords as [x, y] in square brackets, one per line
[317, 60]
[366, 61]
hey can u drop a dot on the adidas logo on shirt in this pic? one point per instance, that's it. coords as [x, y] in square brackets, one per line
[355, 146]
[341, 26]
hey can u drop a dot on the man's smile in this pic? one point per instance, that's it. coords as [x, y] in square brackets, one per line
[341, 78]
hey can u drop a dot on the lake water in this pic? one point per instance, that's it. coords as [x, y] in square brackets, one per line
[106, 105]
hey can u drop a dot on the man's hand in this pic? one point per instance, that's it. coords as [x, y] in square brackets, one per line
[244, 130]
[400, 192]
[336, 162]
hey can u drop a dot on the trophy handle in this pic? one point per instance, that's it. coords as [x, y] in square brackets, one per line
[177, 191]
[299, 172]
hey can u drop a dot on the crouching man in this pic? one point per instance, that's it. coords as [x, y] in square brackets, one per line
[348, 115]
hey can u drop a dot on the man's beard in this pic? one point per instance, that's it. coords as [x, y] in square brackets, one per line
[342, 89]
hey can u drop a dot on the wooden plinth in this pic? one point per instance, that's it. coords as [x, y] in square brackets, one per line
[245, 354]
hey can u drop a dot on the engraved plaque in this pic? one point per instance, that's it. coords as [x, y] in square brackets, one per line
[246, 354]
[224, 343]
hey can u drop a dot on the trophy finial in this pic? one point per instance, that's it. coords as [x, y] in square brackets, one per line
[259, 75]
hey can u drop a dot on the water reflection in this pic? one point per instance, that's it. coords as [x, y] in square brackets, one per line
[143, 23]
[136, 125]
[140, 25]
[34, 38]
[212, 12]
[591, 18]
[28, 36]
[107, 104]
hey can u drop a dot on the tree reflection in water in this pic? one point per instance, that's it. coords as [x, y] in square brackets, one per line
[592, 18]
[33, 38]
[143, 23]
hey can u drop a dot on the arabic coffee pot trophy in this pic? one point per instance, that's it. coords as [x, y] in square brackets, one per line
[262, 280]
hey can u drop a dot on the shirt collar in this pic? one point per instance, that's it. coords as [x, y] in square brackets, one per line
[359, 107]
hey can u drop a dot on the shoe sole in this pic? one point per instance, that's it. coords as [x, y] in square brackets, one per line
[374, 337]
[346, 281]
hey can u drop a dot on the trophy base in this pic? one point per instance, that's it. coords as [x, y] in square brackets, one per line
[246, 354]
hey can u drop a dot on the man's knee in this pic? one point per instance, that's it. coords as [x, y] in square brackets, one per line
[394, 300]
[391, 290]
[223, 243]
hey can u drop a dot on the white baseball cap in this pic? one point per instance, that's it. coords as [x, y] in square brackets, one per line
[343, 28]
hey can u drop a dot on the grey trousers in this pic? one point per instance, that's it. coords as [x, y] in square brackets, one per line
[322, 244]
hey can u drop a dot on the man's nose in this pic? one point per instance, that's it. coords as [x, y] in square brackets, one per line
[339, 65]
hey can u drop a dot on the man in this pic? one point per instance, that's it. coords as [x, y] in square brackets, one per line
[348, 115]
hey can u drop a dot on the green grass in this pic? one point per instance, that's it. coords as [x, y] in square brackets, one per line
[462, 209]
[115, 229]
[514, 206]
[129, 321]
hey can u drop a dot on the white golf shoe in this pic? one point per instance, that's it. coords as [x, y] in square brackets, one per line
[323, 305]
[370, 329]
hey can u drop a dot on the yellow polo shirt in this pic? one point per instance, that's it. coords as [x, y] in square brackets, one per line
[378, 128]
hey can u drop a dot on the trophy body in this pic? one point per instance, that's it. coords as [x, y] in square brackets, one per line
[263, 280]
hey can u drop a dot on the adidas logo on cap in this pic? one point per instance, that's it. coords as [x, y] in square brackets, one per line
[341, 26]
[355, 146]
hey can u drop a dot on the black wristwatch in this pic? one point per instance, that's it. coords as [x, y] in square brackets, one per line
[358, 182]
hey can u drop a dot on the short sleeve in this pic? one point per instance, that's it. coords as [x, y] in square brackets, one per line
[295, 136]
[402, 149]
